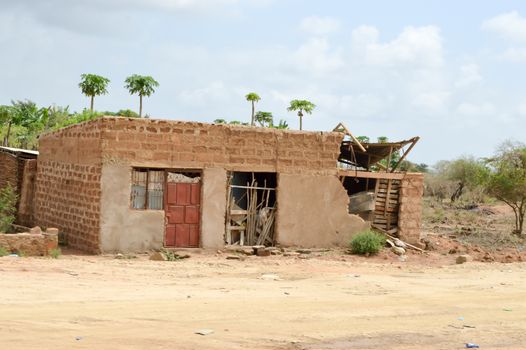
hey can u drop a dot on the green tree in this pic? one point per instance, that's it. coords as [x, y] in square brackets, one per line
[467, 172]
[301, 106]
[93, 85]
[264, 119]
[219, 121]
[363, 139]
[143, 85]
[507, 180]
[23, 120]
[253, 98]
[6, 119]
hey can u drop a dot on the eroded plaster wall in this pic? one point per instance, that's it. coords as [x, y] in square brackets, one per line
[124, 229]
[213, 208]
[312, 212]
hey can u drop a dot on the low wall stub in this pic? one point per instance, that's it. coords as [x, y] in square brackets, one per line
[30, 244]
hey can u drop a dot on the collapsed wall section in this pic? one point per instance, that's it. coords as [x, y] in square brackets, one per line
[68, 190]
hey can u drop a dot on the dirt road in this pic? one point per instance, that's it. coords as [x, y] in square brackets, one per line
[81, 302]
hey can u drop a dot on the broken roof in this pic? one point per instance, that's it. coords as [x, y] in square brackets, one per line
[365, 154]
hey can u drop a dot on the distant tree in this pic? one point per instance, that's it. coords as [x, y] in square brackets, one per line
[27, 119]
[301, 106]
[467, 172]
[237, 122]
[57, 115]
[6, 118]
[282, 124]
[93, 85]
[264, 119]
[382, 139]
[507, 180]
[141, 85]
[364, 139]
[253, 98]
[219, 121]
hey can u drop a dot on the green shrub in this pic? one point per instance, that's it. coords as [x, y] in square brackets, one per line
[55, 253]
[367, 242]
[8, 198]
[3, 252]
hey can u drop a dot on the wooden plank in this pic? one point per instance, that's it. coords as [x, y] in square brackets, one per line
[238, 212]
[255, 187]
[370, 175]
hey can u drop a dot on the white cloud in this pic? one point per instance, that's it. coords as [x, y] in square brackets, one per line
[517, 55]
[415, 46]
[476, 109]
[317, 57]
[509, 25]
[319, 25]
[469, 75]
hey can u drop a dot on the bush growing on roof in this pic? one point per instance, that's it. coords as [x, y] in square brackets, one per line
[367, 242]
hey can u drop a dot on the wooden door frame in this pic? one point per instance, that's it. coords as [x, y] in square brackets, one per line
[165, 195]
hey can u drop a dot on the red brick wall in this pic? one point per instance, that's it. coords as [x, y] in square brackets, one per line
[68, 184]
[198, 145]
[8, 170]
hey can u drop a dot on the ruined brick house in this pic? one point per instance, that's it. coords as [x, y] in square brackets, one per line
[119, 184]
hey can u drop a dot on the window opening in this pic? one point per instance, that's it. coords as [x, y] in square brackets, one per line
[147, 189]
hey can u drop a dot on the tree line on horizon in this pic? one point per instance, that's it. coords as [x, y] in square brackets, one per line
[22, 121]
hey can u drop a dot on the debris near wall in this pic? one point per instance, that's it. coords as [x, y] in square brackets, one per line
[32, 243]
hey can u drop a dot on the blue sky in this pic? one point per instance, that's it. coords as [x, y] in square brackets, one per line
[452, 72]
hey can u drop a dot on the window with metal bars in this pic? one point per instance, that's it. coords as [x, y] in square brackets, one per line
[147, 189]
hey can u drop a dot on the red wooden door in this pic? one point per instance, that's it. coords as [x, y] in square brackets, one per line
[182, 208]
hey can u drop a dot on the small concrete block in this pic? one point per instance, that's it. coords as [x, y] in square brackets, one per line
[463, 258]
[35, 230]
[263, 252]
[158, 256]
[52, 231]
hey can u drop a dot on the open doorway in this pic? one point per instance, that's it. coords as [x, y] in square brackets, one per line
[251, 208]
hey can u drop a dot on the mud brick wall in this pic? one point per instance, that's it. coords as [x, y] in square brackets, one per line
[8, 170]
[410, 211]
[176, 144]
[68, 184]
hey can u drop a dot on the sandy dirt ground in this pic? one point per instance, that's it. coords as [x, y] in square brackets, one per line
[99, 302]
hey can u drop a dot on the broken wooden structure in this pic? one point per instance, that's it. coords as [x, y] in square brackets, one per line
[367, 169]
[251, 209]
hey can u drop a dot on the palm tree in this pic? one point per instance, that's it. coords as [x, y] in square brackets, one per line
[143, 85]
[301, 106]
[93, 85]
[264, 119]
[253, 97]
